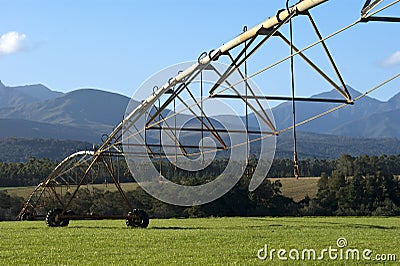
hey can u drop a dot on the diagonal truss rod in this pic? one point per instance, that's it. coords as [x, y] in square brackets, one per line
[174, 138]
[235, 64]
[366, 17]
[368, 7]
[203, 115]
[282, 98]
[345, 93]
[175, 94]
[245, 99]
[180, 88]
[270, 23]
[220, 130]
[380, 19]
[110, 144]
[110, 170]
[213, 131]
[316, 68]
[381, 9]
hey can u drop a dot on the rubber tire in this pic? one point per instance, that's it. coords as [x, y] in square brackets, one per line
[65, 222]
[52, 219]
[139, 219]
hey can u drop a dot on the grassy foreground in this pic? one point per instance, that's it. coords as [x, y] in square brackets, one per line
[210, 241]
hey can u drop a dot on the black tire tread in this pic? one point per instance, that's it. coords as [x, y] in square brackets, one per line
[52, 219]
[140, 219]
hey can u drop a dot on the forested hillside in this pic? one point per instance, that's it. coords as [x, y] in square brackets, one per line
[310, 146]
[21, 149]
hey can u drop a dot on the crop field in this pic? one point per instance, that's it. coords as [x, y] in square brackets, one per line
[297, 189]
[208, 241]
[291, 187]
[24, 192]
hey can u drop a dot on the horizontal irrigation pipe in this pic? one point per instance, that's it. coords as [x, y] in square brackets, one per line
[254, 74]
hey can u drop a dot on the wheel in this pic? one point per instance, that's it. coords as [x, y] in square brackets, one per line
[139, 219]
[27, 216]
[53, 218]
[65, 222]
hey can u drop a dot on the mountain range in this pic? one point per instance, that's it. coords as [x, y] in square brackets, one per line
[367, 118]
[35, 111]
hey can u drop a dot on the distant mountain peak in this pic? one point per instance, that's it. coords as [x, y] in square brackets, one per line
[2, 85]
[38, 91]
[334, 93]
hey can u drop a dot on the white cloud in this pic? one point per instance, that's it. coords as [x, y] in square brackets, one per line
[392, 60]
[11, 42]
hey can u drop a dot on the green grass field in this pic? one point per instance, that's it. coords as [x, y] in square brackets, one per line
[209, 241]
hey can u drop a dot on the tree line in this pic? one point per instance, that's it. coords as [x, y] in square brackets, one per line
[34, 171]
[364, 185]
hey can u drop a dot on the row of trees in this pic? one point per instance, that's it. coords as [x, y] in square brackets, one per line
[35, 170]
[29, 173]
[365, 185]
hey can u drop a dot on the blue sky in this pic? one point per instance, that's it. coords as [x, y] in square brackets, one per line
[117, 45]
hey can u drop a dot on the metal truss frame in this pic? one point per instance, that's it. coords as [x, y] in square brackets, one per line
[82, 168]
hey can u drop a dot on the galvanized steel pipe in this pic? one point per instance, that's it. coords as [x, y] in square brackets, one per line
[267, 24]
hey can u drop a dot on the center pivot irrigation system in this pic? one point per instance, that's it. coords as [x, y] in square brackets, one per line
[52, 199]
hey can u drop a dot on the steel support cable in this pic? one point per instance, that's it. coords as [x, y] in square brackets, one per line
[266, 68]
[344, 104]
[196, 103]
[295, 161]
[232, 42]
[288, 57]
[202, 118]
[209, 126]
[381, 9]
[313, 65]
[174, 137]
[269, 67]
[323, 113]
[265, 118]
[377, 86]
[238, 61]
[199, 104]
[260, 71]
[138, 132]
[181, 87]
[246, 105]
[312, 118]
[317, 42]
[263, 137]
